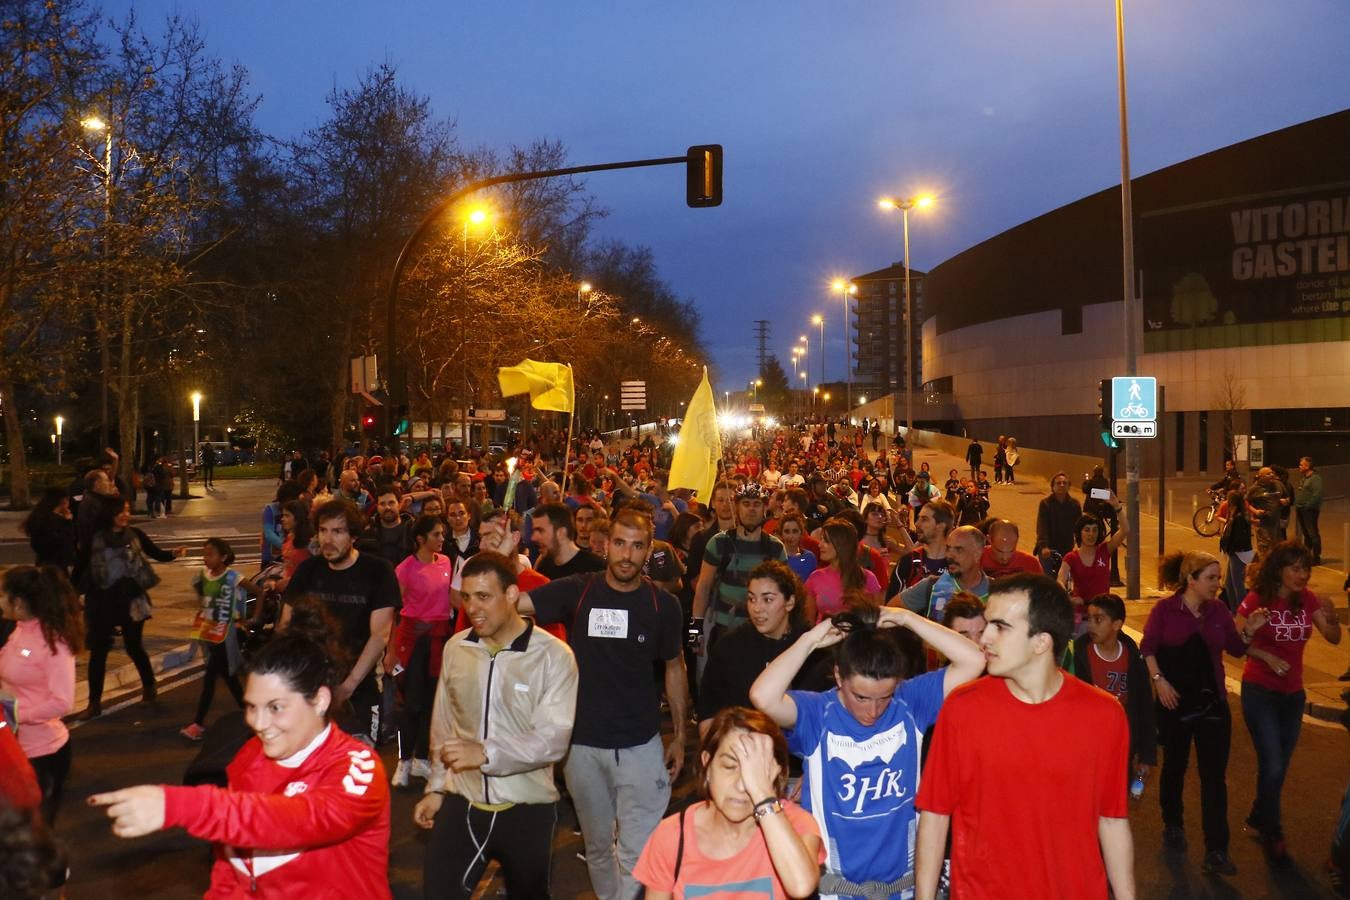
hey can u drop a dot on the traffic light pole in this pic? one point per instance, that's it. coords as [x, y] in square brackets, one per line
[704, 188]
[1130, 309]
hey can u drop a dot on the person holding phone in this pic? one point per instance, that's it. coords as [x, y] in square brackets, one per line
[1086, 570]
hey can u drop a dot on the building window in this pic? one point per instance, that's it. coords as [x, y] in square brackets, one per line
[1203, 436]
[1180, 442]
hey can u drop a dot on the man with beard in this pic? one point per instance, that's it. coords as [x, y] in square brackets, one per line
[617, 773]
[554, 534]
[930, 596]
[929, 556]
[388, 536]
[361, 592]
[1055, 520]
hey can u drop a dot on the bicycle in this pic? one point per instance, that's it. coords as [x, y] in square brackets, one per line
[1206, 521]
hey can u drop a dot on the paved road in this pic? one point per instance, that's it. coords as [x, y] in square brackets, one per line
[140, 744]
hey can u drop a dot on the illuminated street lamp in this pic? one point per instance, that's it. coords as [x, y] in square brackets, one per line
[846, 289]
[98, 124]
[60, 421]
[921, 202]
[582, 289]
[820, 320]
[196, 427]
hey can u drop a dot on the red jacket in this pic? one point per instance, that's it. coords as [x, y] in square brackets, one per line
[316, 830]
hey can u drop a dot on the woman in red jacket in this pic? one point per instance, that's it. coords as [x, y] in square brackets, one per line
[307, 810]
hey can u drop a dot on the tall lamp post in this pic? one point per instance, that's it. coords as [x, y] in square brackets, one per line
[820, 320]
[847, 289]
[60, 421]
[196, 429]
[1130, 306]
[905, 206]
[97, 124]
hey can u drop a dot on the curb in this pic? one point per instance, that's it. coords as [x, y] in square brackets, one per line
[165, 663]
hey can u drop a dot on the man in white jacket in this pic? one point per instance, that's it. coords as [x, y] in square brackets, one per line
[505, 704]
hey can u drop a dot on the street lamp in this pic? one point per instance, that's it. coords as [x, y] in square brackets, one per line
[60, 421]
[1130, 304]
[820, 320]
[582, 289]
[97, 124]
[196, 428]
[846, 289]
[921, 202]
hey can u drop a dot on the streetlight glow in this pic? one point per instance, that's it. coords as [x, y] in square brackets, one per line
[477, 216]
[817, 319]
[922, 201]
[584, 287]
[93, 123]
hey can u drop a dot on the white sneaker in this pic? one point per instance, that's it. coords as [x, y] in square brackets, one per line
[401, 772]
[421, 768]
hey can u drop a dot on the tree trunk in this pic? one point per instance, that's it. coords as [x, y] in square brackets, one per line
[18, 460]
[128, 400]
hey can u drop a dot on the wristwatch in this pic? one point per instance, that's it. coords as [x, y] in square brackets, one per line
[768, 807]
[1157, 676]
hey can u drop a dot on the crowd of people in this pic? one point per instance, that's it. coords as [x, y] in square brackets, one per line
[559, 625]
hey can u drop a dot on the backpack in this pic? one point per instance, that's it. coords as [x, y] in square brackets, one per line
[765, 551]
[1237, 535]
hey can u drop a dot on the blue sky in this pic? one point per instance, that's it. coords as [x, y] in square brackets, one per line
[1004, 109]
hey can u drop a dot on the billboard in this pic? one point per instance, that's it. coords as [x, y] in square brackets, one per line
[1248, 260]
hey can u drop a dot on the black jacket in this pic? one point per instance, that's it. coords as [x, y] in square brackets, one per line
[1138, 698]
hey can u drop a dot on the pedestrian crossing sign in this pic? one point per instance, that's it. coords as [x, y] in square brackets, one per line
[1134, 398]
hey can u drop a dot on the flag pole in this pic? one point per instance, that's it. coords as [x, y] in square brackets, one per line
[571, 420]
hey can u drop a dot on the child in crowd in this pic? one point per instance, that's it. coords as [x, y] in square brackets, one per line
[1110, 659]
[223, 594]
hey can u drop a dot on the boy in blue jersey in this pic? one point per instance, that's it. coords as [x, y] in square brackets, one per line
[860, 743]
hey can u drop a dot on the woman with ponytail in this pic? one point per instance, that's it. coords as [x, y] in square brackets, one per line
[37, 666]
[859, 743]
[307, 807]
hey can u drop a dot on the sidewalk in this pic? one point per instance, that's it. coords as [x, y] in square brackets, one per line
[1323, 663]
[232, 511]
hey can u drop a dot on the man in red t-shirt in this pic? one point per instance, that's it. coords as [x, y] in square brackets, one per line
[1002, 557]
[1042, 816]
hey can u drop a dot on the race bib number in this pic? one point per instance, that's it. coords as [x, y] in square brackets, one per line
[608, 623]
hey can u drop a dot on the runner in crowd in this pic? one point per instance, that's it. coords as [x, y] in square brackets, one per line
[860, 741]
[1278, 617]
[727, 561]
[842, 578]
[360, 591]
[37, 669]
[617, 772]
[222, 596]
[743, 833]
[1086, 570]
[1184, 640]
[306, 812]
[1056, 518]
[505, 702]
[1038, 815]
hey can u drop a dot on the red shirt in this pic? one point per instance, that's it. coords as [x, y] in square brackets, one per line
[1090, 581]
[1021, 561]
[319, 828]
[1285, 636]
[1111, 676]
[1024, 812]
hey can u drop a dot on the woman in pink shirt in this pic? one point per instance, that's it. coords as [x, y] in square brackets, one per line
[37, 666]
[1279, 617]
[841, 573]
[414, 655]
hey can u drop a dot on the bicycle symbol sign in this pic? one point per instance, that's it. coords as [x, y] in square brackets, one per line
[1134, 398]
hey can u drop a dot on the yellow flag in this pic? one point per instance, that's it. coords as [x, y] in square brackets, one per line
[700, 445]
[548, 384]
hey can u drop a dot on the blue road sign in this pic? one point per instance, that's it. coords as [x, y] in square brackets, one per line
[1134, 398]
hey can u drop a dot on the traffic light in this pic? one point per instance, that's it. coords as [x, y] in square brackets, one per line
[703, 176]
[368, 422]
[402, 422]
[1105, 414]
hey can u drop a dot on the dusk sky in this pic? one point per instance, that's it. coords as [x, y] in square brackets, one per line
[1004, 110]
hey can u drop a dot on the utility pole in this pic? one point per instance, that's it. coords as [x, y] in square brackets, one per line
[762, 343]
[1131, 311]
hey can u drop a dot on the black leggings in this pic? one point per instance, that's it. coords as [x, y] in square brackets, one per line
[419, 695]
[217, 666]
[100, 640]
[51, 771]
[463, 839]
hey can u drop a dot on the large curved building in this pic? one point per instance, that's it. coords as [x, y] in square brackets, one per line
[1243, 258]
